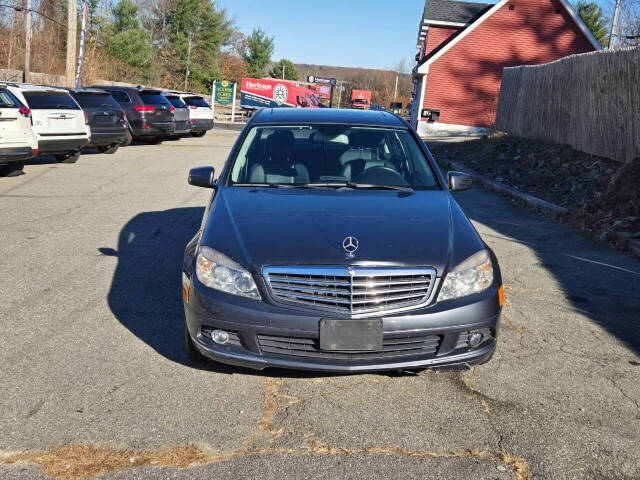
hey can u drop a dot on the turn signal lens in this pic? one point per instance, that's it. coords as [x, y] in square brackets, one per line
[501, 295]
[24, 111]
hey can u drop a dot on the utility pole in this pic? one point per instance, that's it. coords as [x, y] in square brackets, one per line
[72, 24]
[186, 76]
[27, 41]
[614, 25]
[395, 92]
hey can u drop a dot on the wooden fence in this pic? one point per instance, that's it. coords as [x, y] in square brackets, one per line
[590, 101]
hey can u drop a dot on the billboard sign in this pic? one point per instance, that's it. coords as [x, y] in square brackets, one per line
[266, 93]
[326, 81]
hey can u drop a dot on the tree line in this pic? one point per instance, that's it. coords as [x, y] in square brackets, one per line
[182, 44]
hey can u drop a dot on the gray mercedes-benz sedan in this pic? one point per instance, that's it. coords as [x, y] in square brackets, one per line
[332, 242]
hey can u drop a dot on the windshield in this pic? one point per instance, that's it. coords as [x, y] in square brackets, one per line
[50, 100]
[176, 102]
[152, 98]
[331, 156]
[359, 100]
[7, 100]
[95, 100]
[196, 101]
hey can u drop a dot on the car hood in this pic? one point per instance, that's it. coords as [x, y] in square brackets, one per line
[258, 227]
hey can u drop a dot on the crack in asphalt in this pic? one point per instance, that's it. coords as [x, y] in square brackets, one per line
[84, 461]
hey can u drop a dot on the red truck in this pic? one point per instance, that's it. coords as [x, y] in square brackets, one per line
[271, 92]
[361, 99]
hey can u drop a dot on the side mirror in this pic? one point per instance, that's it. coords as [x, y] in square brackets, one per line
[459, 181]
[202, 177]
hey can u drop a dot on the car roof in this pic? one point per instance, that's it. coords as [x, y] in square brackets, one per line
[327, 115]
[87, 90]
[35, 88]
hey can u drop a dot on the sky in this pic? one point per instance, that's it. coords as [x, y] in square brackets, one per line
[349, 33]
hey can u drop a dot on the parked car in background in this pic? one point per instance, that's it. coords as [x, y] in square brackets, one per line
[200, 113]
[106, 118]
[149, 113]
[18, 143]
[180, 115]
[60, 125]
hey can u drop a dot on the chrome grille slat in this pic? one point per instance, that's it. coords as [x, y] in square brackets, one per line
[276, 278]
[314, 298]
[332, 291]
[351, 290]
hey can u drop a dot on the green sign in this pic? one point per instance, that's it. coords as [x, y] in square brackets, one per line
[224, 92]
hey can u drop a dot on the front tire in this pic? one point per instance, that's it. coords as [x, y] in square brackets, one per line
[128, 140]
[71, 157]
[109, 149]
[12, 170]
[192, 352]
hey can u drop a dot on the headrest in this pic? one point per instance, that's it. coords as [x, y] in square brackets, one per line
[319, 137]
[365, 138]
[280, 140]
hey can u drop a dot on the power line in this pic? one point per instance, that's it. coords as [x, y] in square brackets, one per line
[22, 9]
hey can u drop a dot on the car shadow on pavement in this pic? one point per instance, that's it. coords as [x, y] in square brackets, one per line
[146, 295]
[596, 281]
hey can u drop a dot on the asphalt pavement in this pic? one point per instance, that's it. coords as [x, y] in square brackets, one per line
[95, 380]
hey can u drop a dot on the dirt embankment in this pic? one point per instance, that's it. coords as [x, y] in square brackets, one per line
[602, 196]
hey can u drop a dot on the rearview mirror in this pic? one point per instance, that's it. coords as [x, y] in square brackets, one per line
[202, 177]
[459, 181]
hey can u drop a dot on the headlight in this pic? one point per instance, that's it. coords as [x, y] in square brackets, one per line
[218, 271]
[473, 275]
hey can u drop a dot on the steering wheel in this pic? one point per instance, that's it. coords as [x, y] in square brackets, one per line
[381, 175]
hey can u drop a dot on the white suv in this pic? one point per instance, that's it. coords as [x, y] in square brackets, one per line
[18, 143]
[59, 123]
[200, 113]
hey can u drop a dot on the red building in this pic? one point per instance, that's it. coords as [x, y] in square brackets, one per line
[464, 47]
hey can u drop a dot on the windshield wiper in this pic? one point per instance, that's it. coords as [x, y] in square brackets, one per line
[270, 185]
[354, 185]
[368, 186]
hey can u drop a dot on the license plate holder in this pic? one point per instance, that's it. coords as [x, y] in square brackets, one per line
[351, 335]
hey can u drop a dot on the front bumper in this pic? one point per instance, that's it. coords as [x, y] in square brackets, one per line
[15, 154]
[155, 129]
[251, 321]
[182, 127]
[108, 137]
[65, 145]
[199, 125]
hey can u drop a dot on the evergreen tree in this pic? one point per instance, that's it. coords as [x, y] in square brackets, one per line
[259, 50]
[129, 42]
[197, 31]
[592, 16]
[290, 72]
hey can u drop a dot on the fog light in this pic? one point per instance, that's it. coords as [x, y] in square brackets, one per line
[221, 337]
[475, 339]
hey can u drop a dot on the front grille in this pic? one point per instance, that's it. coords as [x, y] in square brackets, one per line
[350, 290]
[309, 347]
